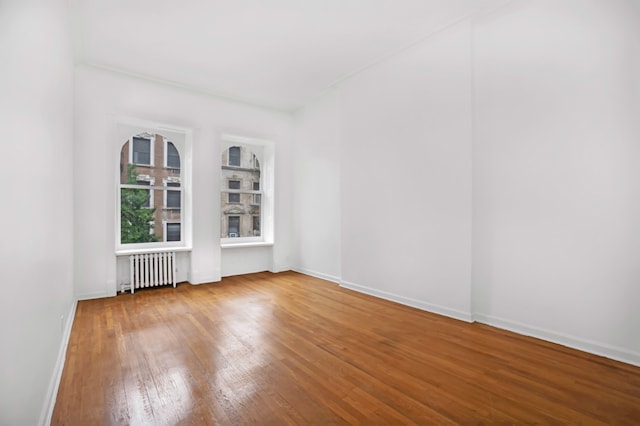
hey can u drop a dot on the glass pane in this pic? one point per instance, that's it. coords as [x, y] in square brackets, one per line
[242, 207]
[136, 219]
[142, 214]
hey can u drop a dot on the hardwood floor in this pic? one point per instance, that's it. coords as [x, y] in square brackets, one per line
[291, 349]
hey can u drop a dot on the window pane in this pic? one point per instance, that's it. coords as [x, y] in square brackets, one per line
[148, 192]
[234, 156]
[136, 219]
[173, 158]
[173, 232]
[135, 169]
[234, 198]
[173, 199]
[238, 205]
[141, 151]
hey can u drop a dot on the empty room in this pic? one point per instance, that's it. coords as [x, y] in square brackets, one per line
[320, 212]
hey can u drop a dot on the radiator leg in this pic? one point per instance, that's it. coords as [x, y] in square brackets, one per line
[131, 271]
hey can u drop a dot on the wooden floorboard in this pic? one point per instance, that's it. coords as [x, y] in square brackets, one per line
[291, 349]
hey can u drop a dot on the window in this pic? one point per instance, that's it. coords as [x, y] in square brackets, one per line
[173, 158]
[234, 227]
[141, 220]
[234, 156]
[256, 226]
[255, 198]
[172, 232]
[141, 151]
[246, 188]
[234, 197]
[172, 197]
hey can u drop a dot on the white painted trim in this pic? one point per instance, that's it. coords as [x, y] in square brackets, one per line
[414, 303]
[56, 377]
[596, 348]
[151, 250]
[257, 243]
[315, 274]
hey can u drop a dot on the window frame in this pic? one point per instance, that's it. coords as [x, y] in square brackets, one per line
[182, 138]
[264, 153]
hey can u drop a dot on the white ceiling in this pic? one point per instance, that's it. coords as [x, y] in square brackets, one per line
[277, 53]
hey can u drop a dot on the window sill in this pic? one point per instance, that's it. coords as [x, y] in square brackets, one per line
[126, 252]
[248, 244]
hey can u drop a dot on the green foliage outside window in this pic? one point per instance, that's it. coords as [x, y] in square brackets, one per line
[136, 221]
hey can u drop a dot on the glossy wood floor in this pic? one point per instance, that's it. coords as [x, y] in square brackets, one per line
[290, 349]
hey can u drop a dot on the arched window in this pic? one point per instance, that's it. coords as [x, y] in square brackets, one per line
[151, 190]
[246, 185]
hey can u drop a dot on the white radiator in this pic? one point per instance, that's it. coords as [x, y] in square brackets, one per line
[152, 269]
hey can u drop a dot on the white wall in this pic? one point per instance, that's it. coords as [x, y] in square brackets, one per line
[556, 176]
[317, 188]
[406, 176]
[100, 97]
[36, 252]
[491, 172]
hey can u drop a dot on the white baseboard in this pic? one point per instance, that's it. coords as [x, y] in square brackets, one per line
[94, 295]
[596, 348]
[204, 279]
[279, 268]
[315, 274]
[419, 304]
[54, 383]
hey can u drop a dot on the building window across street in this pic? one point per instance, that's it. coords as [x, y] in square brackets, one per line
[141, 153]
